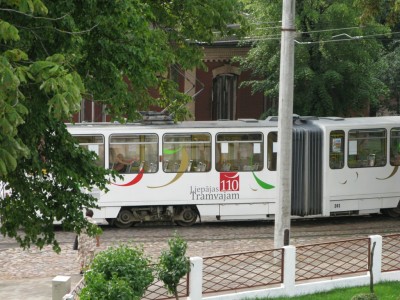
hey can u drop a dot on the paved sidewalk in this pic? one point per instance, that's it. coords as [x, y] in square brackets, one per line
[28, 274]
[30, 288]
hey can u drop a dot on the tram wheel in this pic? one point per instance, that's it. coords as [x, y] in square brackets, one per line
[110, 221]
[189, 217]
[124, 219]
[393, 212]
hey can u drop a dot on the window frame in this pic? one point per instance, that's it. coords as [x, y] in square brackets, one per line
[357, 156]
[231, 161]
[197, 161]
[337, 156]
[137, 161]
[101, 158]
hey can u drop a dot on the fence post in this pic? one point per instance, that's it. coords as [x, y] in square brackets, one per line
[61, 285]
[377, 257]
[289, 269]
[196, 278]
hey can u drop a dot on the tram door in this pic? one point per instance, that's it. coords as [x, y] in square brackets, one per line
[306, 169]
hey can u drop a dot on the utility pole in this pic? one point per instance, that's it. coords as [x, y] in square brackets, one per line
[285, 119]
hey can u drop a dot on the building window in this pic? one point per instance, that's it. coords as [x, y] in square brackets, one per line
[224, 97]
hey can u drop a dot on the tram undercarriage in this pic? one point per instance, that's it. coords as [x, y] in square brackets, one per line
[185, 215]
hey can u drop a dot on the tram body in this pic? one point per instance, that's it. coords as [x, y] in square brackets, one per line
[227, 169]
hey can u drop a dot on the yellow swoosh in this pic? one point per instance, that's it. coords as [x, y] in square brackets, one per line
[391, 174]
[180, 172]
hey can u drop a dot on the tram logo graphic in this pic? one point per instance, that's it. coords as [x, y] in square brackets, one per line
[135, 179]
[229, 181]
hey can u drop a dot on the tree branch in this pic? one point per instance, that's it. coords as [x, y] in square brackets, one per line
[32, 16]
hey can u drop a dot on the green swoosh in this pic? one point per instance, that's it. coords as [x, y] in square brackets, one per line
[263, 184]
[173, 151]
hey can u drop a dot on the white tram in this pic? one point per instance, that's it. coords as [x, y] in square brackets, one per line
[227, 169]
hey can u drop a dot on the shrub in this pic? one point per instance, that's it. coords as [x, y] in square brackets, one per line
[370, 296]
[173, 264]
[118, 273]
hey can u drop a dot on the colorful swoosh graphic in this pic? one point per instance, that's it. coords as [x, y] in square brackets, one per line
[135, 179]
[172, 151]
[183, 166]
[230, 175]
[391, 174]
[263, 184]
[344, 182]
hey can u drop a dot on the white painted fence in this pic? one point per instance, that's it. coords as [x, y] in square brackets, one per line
[289, 286]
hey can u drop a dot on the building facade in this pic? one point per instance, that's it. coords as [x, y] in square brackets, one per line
[217, 93]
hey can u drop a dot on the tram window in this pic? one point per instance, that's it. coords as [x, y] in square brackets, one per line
[336, 149]
[367, 148]
[132, 152]
[272, 151]
[239, 152]
[190, 152]
[93, 143]
[395, 147]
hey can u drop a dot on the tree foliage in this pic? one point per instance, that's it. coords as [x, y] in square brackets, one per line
[118, 273]
[53, 54]
[389, 73]
[136, 41]
[338, 45]
[173, 264]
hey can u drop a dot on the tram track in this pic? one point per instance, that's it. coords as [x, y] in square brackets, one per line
[329, 229]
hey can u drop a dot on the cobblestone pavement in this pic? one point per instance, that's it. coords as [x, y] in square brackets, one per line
[206, 239]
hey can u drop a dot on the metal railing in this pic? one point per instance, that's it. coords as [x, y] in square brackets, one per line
[243, 270]
[78, 288]
[391, 253]
[332, 259]
[157, 291]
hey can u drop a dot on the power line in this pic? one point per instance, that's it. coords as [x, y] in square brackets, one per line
[332, 40]
[347, 39]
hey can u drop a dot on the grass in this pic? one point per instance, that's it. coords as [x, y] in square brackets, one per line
[384, 291]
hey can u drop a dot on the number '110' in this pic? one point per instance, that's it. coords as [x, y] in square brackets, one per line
[229, 185]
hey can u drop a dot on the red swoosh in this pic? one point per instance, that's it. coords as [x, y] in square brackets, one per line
[135, 180]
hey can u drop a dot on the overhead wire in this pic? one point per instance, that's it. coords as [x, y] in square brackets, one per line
[277, 36]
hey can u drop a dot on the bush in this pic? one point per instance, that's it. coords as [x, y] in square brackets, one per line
[118, 273]
[369, 296]
[173, 264]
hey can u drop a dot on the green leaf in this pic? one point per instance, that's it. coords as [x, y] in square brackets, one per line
[39, 8]
[56, 58]
[26, 6]
[8, 32]
[15, 55]
[8, 159]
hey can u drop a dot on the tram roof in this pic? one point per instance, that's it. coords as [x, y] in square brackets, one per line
[241, 123]
[358, 121]
[247, 123]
